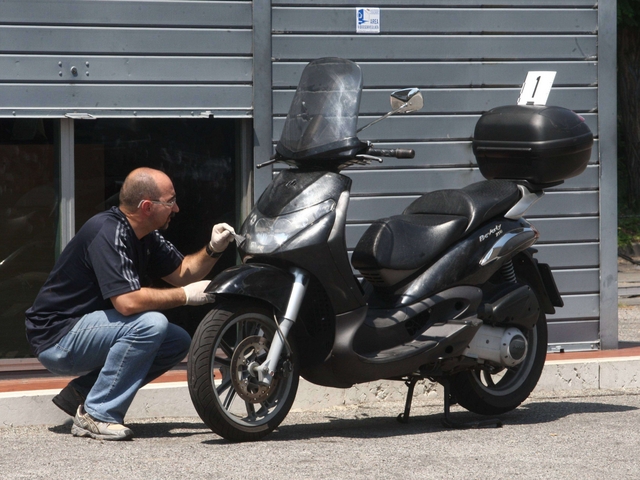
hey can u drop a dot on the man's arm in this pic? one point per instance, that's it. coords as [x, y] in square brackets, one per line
[147, 299]
[194, 267]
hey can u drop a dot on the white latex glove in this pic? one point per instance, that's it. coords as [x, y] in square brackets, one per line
[195, 293]
[221, 235]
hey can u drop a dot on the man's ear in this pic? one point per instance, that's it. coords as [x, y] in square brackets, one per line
[145, 208]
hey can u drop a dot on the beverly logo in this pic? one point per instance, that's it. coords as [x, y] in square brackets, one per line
[497, 231]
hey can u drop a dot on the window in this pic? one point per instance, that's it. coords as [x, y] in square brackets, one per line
[198, 154]
[29, 222]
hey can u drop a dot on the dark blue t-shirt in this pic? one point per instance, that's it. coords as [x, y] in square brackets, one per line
[104, 259]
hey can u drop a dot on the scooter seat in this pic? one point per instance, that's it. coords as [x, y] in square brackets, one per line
[406, 242]
[478, 202]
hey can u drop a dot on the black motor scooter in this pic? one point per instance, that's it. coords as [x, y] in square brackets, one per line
[449, 290]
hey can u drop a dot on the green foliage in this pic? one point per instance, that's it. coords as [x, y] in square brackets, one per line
[628, 230]
[628, 205]
[629, 13]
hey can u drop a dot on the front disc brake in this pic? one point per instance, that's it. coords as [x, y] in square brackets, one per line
[250, 350]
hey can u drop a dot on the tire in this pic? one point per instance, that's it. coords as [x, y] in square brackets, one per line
[494, 392]
[223, 391]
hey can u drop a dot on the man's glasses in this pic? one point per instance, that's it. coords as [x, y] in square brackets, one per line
[158, 202]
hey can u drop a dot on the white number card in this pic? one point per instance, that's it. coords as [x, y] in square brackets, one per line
[536, 88]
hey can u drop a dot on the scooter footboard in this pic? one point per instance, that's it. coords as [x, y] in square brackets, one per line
[256, 280]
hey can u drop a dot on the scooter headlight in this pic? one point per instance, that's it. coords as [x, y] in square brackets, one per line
[266, 234]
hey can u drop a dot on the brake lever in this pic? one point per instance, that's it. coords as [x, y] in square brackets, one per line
[364, 156]
[268, 162]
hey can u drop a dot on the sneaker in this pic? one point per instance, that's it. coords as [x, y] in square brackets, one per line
[84, 425]
[68, 400]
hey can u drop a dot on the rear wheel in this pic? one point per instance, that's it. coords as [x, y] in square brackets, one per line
[490, 390]
[224, 391]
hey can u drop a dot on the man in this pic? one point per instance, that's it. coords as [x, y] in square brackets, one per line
[96, 317]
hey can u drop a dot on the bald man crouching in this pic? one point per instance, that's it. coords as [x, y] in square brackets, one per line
[96, 317]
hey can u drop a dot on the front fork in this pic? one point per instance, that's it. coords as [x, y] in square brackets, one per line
[267, 369]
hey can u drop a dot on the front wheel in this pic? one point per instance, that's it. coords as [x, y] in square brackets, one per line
[225, 392]
[492, 391]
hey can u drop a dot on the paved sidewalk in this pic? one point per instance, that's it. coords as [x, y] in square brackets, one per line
[629, 280]
[628, 302]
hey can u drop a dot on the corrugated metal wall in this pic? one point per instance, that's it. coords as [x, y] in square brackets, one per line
[466, 60]
[154, 58]
[189, 58]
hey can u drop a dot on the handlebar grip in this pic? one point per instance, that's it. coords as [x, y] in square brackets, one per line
[396, 152]
[405, 153]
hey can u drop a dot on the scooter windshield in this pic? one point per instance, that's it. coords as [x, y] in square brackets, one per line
[323, 116]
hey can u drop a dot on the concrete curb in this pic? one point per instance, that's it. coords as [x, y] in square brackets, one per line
[595, 374]
[172, 399]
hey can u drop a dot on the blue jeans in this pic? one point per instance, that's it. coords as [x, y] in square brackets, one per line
[115, 356]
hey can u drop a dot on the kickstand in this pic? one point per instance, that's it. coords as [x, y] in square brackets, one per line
[411, 383]
[449, 423]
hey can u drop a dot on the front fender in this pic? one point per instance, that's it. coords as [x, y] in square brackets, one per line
[264, 282]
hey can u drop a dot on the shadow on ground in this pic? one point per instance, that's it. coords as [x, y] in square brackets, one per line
[154, 430]
[370, 422]
[365, 426]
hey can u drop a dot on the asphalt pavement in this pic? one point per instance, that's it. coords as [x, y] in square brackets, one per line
[584, 435]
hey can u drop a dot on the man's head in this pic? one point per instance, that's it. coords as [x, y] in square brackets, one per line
[148, 196]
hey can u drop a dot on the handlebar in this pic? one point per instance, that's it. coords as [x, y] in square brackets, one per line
[366, 156]
[396, 152]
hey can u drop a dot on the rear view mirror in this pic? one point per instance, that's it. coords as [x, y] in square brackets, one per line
[402, 101]
[406, 100]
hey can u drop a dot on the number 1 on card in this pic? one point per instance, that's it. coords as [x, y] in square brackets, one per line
[536, 88]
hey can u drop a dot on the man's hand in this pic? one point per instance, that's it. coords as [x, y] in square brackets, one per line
[195, 293]
[221, 235]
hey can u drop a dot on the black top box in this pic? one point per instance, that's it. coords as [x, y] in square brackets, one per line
[538, 144]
